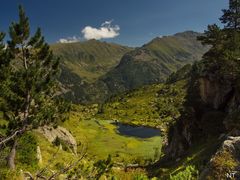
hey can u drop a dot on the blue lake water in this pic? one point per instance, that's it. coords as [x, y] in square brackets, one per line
[137, 131]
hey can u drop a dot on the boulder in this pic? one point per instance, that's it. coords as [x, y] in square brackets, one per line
[225, 163]
[52, 133]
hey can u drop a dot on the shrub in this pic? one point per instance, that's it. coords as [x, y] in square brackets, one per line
[140, 177]
[27, 151]
[222, 163]
[58, 141]
[190, 173]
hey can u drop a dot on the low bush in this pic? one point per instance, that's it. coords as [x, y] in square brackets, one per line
[190, 173]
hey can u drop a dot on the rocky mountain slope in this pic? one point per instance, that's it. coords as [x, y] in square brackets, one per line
[149, 64]
[88, 60]
[154, 62]
[211, 111]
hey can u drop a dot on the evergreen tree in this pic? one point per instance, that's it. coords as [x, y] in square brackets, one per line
[2, 50]
[28, 81]
[231, 20]
[213, 36]
[231, 16]
[223, 57]
[4, 59]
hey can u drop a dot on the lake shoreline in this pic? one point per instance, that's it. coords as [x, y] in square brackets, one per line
[137, 131]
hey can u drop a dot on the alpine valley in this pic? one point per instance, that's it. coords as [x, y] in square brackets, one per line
[93, 71]
[91, 109]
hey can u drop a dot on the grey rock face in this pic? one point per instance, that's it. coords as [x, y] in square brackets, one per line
[51, 134]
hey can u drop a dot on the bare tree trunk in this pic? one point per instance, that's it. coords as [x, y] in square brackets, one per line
[11, 156]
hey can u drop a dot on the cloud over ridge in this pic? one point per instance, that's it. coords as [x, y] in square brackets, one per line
[69, 40]
[105, 31]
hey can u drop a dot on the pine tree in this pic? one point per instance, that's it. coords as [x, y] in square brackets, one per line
[223, 57]
[231, 20]
[229, 35]
[2, 50]
[28, 72]
[4, 59]
[213, 36]
[231, 16]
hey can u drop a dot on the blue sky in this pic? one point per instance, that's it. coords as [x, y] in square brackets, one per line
[139, 20]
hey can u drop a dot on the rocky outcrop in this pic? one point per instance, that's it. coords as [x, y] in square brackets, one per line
[179, 140]
[214, 93]
[63, 134]
[225, 164]
[232, 144]
[209, 102]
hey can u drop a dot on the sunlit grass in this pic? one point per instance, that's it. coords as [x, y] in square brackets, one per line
[103, 139]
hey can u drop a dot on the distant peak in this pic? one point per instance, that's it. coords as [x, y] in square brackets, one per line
[180, 34]
[93, 40]
[187, 34]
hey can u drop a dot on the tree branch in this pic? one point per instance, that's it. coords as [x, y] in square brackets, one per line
[9, 138]
[39, 174]
[70, 166]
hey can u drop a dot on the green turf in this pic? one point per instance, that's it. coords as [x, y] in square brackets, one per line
[103, 139]
[153, 105]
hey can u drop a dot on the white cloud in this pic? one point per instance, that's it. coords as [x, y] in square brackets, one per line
[107, 23]
[69, 40]
[107, 30]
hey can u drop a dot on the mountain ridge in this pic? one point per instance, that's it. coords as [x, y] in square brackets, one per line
[89, 59]
[155, 61]
[131, 68]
